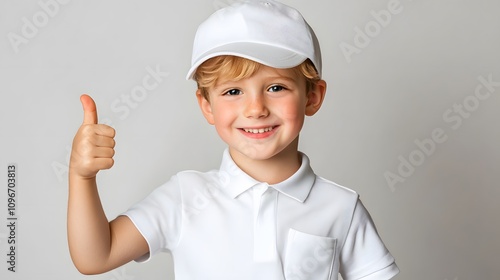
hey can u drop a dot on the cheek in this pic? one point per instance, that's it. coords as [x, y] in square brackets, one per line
[292, 110]
[223, 114]
[222, 123]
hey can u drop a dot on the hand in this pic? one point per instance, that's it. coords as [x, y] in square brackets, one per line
[93, 145]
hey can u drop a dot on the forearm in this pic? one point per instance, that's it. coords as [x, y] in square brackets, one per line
[88, 228]
[96, 245]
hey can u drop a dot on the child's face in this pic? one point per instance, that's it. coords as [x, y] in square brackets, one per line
[261, 116]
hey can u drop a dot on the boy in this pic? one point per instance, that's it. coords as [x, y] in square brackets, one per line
[264, 214]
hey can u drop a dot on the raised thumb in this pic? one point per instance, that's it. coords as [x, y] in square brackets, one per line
[89, 109]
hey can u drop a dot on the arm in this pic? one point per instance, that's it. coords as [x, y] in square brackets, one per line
[363, 254]
[96, 245]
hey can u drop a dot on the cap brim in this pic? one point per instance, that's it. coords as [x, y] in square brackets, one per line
[272, 56]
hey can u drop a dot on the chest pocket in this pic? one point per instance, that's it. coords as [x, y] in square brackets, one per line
[309, 257]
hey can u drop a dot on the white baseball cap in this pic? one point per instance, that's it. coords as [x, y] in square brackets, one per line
[267, 32]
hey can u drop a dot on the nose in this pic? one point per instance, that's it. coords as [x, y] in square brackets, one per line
[256, 107]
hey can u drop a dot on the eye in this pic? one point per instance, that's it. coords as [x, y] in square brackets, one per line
[233, 91]
[275, 88]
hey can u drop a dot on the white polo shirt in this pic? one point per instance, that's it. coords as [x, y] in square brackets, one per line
[225, 225]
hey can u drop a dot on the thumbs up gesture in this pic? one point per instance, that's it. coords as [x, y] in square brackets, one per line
[93, 145]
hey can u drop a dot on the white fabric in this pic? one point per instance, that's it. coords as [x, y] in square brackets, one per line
[223, 224]
[267, 32]
[264, 228]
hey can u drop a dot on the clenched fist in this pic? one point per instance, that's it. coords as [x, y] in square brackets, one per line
[93, 145]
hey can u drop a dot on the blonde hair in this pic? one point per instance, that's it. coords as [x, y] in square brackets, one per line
[237, 68]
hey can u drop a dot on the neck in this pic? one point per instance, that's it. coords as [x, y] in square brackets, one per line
[272, 170]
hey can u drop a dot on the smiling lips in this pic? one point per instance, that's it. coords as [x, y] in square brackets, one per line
[258, 130]
[262, 132]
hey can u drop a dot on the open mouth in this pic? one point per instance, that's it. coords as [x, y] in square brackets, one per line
[258, 130]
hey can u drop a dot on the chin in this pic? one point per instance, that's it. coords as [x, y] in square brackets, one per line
[255, 153]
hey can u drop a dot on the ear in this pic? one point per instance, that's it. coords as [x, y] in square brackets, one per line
[205, 106]
[315, 97]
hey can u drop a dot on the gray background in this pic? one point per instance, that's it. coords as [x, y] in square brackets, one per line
[407, 82]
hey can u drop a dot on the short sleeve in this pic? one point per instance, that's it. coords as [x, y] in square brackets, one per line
[158, 218]
[364, 255]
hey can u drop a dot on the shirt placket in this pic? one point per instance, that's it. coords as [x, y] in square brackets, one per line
[265, 199]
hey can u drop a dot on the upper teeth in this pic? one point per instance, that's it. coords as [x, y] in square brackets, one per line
[260, 130]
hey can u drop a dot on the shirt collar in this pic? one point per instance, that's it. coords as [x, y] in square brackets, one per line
[297, 186]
